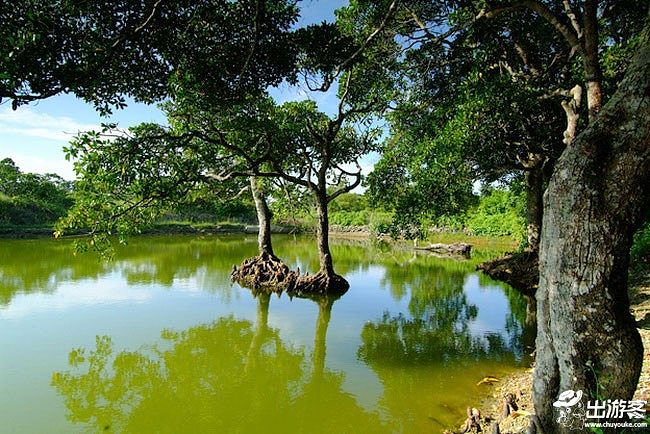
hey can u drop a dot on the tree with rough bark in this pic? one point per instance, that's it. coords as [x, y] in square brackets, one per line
[597, 198]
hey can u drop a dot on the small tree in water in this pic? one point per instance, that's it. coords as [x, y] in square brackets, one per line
[320, 154]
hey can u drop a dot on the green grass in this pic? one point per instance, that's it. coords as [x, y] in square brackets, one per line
[487, 241]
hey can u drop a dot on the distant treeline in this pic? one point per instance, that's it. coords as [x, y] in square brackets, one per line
[35, 200]
[28, 199]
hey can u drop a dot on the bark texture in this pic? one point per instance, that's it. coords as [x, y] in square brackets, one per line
[590, 59]
[587, 340]
[264, 217]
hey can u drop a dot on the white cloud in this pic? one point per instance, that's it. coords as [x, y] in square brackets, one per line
[27, 122]
[33, 164]
[75, 294]
[34, 140]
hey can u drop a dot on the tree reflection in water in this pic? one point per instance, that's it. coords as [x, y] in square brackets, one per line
[227, 376]
[433, 348]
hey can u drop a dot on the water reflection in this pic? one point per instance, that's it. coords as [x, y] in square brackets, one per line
[228, 376]
[408, 342]
[437, 326]
[28, 266]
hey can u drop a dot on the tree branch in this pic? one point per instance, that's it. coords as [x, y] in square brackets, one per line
[328, 82]
[567, 32]
[573, 18]
[347, 188]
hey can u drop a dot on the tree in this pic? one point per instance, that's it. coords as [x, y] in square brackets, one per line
[313, 151]
[105, 51]
[484, 64]
[9, 174]
[469, 119]
[299, 144]
[587, 339]
[421, 178]
[596, 199]
[128, 179]
[30, 198]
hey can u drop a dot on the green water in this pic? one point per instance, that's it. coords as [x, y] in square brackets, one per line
[160, 341]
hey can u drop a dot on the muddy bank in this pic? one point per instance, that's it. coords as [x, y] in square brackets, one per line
[519, 270]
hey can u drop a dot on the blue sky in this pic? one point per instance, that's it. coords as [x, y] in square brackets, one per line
[34, 135]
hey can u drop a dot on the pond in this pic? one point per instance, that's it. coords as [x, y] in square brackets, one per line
[159, 340]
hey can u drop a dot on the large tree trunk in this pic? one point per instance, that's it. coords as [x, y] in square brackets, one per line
[534, 205]
[587, 340]
[264, 217]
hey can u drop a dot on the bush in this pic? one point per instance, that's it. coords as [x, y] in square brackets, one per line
[499, 212]
[640, 251]
[21, 211]
[350, 218]
[380, 222]
[213, 210]
[455, 223]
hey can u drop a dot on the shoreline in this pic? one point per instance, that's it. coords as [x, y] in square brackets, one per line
[18, 232]
[520, 382]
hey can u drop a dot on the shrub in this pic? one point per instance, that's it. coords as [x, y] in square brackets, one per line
[350, 218]
[640, 251]
[499, 212]
[380, 222]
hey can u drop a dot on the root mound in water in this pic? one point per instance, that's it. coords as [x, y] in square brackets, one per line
[320, 284]
[265, 272]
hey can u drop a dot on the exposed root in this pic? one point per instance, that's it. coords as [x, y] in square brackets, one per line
[519, 270]
[319, 284]
[473, 421]
[265, 272]
[269, 274]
